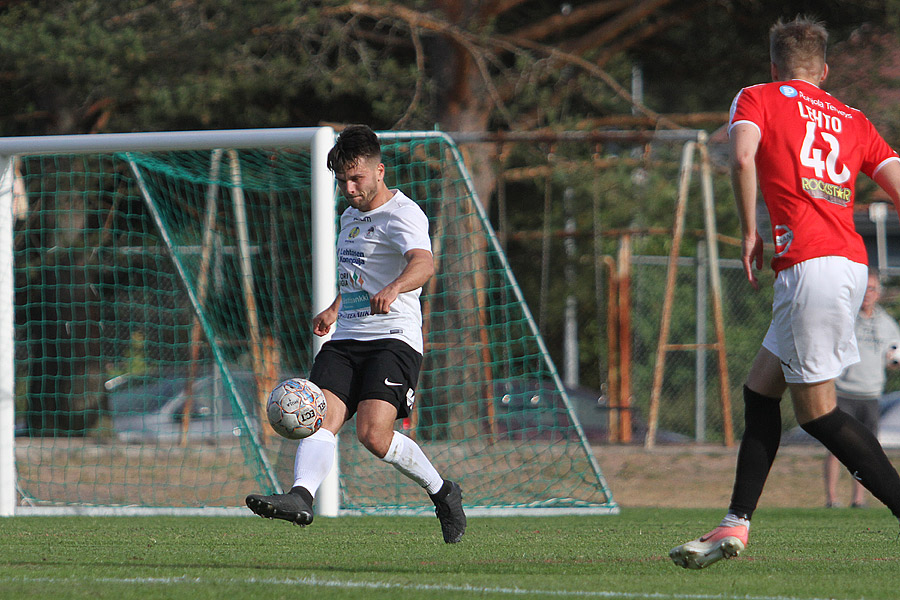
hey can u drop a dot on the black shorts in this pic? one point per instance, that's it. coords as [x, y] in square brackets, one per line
[866, 411]
[369, 370]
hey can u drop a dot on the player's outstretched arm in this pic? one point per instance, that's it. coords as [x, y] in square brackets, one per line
[323, 321]
[418, 270]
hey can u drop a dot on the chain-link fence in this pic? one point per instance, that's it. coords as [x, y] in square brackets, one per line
[691, 398]
[564, 211]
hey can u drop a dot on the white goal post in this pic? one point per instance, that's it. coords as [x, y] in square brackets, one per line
[324, 283]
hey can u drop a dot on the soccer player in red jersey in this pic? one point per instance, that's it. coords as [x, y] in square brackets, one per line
[803, 149]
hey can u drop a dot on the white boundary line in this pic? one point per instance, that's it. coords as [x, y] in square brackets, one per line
[242, 511]
[403, 587]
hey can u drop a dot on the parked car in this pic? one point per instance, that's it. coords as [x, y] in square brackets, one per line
[889, 426]
[153, 407]
[530, 408]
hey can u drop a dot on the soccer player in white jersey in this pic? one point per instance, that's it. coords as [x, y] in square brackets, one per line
[803, 148]
[370, 366]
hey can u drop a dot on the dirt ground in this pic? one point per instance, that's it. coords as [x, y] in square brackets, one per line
[702, 476]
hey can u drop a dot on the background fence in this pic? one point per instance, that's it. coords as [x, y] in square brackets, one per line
[574, 213]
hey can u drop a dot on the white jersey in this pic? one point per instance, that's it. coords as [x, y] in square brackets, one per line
[370, 251]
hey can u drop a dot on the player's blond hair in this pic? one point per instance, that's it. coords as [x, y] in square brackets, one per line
[798, 44]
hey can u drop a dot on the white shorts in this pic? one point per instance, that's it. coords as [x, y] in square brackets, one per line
[813, 313]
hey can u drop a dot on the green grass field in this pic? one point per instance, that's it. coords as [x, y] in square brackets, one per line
[793, 554]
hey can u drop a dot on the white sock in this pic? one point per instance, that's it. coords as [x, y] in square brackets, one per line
[313, 461]
[406, 456]
[734, 521]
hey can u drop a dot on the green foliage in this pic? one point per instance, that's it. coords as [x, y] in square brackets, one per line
[125, 65]
[189, 65]
[702, 61]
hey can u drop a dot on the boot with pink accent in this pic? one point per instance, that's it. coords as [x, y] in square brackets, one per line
[721, 542]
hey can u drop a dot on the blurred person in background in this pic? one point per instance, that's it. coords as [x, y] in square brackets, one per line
[861, 385]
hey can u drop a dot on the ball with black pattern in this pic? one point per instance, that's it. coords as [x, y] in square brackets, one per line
[296, 408]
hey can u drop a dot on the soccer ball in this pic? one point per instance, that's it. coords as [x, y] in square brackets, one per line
[296, 408]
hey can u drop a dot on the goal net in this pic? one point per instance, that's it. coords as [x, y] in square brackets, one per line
[158, 285]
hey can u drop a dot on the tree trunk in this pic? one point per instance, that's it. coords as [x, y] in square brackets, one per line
[463, 100]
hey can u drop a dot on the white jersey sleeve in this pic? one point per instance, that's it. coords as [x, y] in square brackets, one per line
[408, 229]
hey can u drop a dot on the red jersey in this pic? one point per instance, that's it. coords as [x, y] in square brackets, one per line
[812, 146]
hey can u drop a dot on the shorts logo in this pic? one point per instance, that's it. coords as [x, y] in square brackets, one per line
[391, 383]
[787, 91]
[410, 398]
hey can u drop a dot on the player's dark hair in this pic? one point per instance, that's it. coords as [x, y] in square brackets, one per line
[355, 143]
[800, 43]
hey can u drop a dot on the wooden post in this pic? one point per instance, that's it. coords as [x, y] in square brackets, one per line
[687, 164]
[256, 351]
[712, 251]
[209, 224]
[624, 330]
[612, 336]
[428, 295]
[545, 257]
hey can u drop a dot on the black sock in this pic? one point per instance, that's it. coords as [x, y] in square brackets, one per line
[759, 445]
[303, 493]
[442, 493]
[858, 449]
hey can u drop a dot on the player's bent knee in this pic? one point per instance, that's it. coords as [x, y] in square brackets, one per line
[375, 441]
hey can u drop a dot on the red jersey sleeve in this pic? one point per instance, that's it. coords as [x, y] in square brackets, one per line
[877, 153]
[746, 108]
